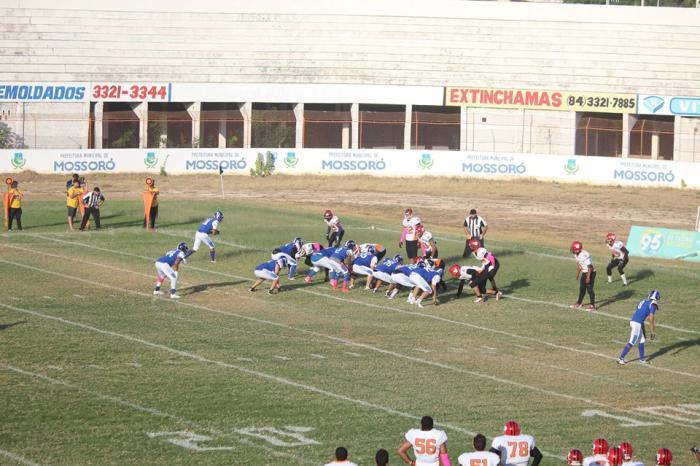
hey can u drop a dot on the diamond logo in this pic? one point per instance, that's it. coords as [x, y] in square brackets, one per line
[653, 103]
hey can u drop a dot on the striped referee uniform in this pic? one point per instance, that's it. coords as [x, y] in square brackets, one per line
[92, 200]
[474, 228]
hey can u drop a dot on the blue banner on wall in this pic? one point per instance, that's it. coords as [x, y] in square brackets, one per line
[664, 243]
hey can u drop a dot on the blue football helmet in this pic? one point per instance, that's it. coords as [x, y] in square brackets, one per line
[298, 242]
[282, 261]
[350, 244]
[183, 247]
[655, 295]
[398, 258]
[218, 216]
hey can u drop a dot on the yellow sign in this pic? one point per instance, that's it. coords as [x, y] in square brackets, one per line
[541, 100]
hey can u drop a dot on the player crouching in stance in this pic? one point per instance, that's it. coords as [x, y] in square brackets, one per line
[269, 271]
[289, 252]
[645, 308]
[619, 259]
[399, 278]
[515, 448]
[585, 274]
[383, 272]
[476, 278]
[208, 227]
[429, 445]
[425, 279]
[167, 266]
[363, 264]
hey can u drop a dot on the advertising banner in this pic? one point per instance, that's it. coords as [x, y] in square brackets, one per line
[664, 243]
[541, 100]
[44, 92]
[668, 105]
[371, 162]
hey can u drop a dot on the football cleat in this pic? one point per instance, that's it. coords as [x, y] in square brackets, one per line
[252, 290]
[511, 428]
[479, 299]
[575, 306]
[307, 279]
[174, 296]
[157, 292]
[644, 361]
[592, 308]
[419, 304]
[576, 247]
[621, 362]
[499, 295]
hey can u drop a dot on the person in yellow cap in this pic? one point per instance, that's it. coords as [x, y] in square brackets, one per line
[153, 212]
[16, 197]
[73, 201]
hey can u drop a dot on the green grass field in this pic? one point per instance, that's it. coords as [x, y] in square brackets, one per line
[96, 370]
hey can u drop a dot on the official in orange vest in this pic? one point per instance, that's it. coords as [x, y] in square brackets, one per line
[15, 199]
[150, 203]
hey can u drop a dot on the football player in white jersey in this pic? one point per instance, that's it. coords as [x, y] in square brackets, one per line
[426, 242]
[628, 454]
[334, 229]
[408, 235]
[514, 448]
[600, 454]
[479, 457]
[585, 274]
[620, 257]
[341, 458]
[429, 445]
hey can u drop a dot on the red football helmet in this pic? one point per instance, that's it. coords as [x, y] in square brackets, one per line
[420, 229]
[511, 428]
[664, 457]
[600, 445]
[627, 450]
[575, 458]
[615, 456]
[455, 270]
[474, 244]
[576, 247]
[610, 238]
[328, 214]
[408, 213]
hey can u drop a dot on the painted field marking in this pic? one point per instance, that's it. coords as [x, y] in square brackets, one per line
[18, 458]
[56, 368]
[677, 413]
[626, 421]
[618, 342]
[523, 347]
[517, 298]
[282, 358]
[337, 339]
[188, 440]
[370, 305]
[589, 344]
[350, 353]
[422, 350]
[317, 356]
[245, 359]
[272, 435]
[79, 296]
[314, 389]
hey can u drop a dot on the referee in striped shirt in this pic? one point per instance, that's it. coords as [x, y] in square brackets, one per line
[475, 227]
[93, 201]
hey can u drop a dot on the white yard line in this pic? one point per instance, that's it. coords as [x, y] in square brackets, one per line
[18, 458]
[137, 407]
[245, 370]
[391, 309]
[517, 298]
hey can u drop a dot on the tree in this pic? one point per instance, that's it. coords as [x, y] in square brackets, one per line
[9, 139]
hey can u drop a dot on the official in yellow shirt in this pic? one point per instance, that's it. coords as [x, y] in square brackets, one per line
[153, 212]
[73, 201]
[15, 206]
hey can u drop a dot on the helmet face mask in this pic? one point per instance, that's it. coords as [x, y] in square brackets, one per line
[328, 214]
[350, 244]
[182, 247]
[455, 270]
[576, 247]
[474, 244]
[655, 295]
[610, 238]
[398, 258]
[420, 229]
[218, 216]
[408, 213]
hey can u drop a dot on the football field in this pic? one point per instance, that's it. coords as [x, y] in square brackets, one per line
[94, 369]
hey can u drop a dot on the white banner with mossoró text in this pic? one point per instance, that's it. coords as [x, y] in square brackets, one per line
[363, 162]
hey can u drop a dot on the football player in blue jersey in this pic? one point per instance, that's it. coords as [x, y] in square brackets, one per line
[208, 227]
[341, 262]
[400, 278]
[363, 264]
[167, 266]
[319, 259]
[289, 251]
[645, 308]
[384, 270]
[269, 271]
[425, 280]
